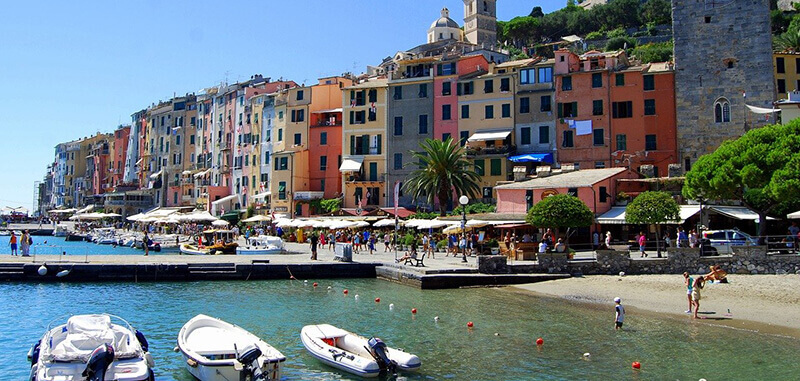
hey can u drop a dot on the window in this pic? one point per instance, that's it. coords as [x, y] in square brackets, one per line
[488, 112]
[505, 86]
[469, 88]
[463, 136]
[298, 115]
[398, 92]
[687, 164]
[649, 106]
[298, 139]
[779, 66]
[525, 135]
[465, 111]
[597, 80]
[545, 75]
[544, 135]
[622, 142]
[487, 192]
[566, 140]
[372, 116]
[524, 105]
[357, 117]
[568, 110]
[527, 76]
[488, 86]
[299, 95]
[445, 112]
[282, 190]
[650, 143]
[505, 110]
[781, 85]
[480, 167]
[191, 139]
[323, 138]
[599, 164]
[620, 79]
[372, 95]
[177, 139]
[649, 82]
[573, 191]
[546, 104]
[446, 69]
[398, 126]
[280, 115]
[722, 111]
[284, 163]
[445, 136]
[423, 124]
[495, 167]
[323, 163]
[398, 161]
[597, 107]
[622, 109]
[598, 137]
[423, 90]
[447, 88]
[280, 134]
[566, 83]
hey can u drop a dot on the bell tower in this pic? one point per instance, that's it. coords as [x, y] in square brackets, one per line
[480, 22]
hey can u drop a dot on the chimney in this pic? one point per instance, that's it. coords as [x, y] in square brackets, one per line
[647, 170]
[568, 167]
[519, 173]
[543, 171]
[674, 170]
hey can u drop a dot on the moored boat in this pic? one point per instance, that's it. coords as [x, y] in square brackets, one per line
[215, 350]
[189, 249]
[93, 348]
[353, 353]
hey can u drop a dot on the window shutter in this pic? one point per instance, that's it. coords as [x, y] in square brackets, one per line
[459, 88]
[575, 109]
[352, 116]
[379, 144]
[560, 110]
[365, 144]
[352, 144]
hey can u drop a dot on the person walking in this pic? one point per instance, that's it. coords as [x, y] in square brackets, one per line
[596, 240]
[431, 246]
[642, 242]
[371, 244]
[698, 285]
[608, 240]
[13, 243]
[425, 243]
[619, 313]
[687, 281]
[314, 241]
[386, 241]
[146, 244]
[794, 234]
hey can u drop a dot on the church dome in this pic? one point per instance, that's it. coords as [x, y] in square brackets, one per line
[445, 21]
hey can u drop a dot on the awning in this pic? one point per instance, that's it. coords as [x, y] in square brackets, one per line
[762, 110]
[736, 212]
[139, 161]
[259, 196]
[201, 174]
[155, 175]
[327, 111]
[225, 199]
[616, 216]
[533, 157]
[795, 215]
[351, 165]
[489, 135]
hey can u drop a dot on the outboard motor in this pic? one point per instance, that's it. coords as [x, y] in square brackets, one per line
[378, 350]
[142, 341]
[249, 358]
[98, 363]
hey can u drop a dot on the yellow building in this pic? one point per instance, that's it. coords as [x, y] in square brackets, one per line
[786, 67]
[486, 126]
[363, 164]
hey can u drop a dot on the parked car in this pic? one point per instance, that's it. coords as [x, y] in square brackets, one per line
[724, 240]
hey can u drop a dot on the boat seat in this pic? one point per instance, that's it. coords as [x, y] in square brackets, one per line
[416, 262]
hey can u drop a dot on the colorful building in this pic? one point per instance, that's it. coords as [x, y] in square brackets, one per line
[787, 73]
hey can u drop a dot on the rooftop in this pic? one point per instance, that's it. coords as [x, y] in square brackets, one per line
[574, 179]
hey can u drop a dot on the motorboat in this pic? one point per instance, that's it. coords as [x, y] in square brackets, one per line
[93, 348]
[215, 350]
[189, 249]
[355, 354]
[261, 245]
[60, 230]
[211, 242]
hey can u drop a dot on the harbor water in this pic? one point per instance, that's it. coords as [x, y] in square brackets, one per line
[43, 245]
[500, 346]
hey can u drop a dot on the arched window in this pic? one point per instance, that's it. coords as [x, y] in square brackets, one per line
[722, 111]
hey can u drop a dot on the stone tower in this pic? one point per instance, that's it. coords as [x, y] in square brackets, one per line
[723, 59]
[480, 22]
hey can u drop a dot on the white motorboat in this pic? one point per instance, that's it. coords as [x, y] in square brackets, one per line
[353, 353]
[189, 249]
[60, 230]
[215, 350]
[91, 347]
[261, 245]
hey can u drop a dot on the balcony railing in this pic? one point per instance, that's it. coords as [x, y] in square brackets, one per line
[497, 150]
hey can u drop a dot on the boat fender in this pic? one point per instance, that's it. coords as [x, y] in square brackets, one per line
[142, 341]
[191, 362]
[33, 357]
[99, 362]
[42, 270]
[149, 359]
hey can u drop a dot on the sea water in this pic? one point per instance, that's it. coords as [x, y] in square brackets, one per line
[500, 346]
[43, 245]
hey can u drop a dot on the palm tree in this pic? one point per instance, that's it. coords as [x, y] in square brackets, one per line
[788, 41]
[444, 169]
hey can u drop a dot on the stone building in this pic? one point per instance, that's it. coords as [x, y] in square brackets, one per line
[723, 59]
[480, 22]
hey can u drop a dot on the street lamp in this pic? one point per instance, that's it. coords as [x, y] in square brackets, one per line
[464, 200]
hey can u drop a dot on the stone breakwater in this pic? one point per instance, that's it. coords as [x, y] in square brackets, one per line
[744, 260]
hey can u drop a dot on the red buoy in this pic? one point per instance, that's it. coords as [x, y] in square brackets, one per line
[469, 324]
[315, 284]
[636, 365]
[345, 291]
[291, 276]
[413, 310]
[377, 300]
[540, 341]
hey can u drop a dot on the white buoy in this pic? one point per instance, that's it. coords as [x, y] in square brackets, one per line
[391, 306]
[587, 355]
[42, 270]
[305, 281]
[330, 288]
[62, 273]
[621, 273]
[435, 318]
[356, 296]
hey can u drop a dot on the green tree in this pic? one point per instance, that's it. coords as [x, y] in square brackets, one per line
[330, 205]
[560, 211]
[658, 12]
[787, 42]
[618, 43]
[536, 12]
[654, 52]
[761, 169]
[522, 30]
[653, 208]
[445, 169]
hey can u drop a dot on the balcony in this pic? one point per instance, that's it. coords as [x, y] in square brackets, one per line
[308, 195]
[362, 178]
[491, 150]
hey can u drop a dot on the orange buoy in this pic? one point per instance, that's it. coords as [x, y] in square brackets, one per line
[539, 341]
[413, 310]
[377, 300]
[469, 324]
[345, 291]
[636, 365]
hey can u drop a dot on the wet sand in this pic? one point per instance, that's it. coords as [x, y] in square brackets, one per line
[764, 303]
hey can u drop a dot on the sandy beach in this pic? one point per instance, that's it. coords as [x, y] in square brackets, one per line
[767, 303]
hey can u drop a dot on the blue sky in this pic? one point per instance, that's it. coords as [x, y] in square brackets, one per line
[71, 69]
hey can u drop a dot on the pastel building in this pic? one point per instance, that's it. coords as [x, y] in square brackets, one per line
[120, 155]
[787, 73]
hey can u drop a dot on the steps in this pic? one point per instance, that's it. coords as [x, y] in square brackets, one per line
[213, 271]
[12, 271]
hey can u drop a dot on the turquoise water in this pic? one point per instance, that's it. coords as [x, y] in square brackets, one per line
[277, 310]
[57, 245]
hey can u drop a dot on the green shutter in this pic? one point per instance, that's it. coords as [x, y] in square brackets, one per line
[560, 110]
[495, 167]
[352, 144]
[575, 109]
[365, 144]
[379, 144]
[352, 116]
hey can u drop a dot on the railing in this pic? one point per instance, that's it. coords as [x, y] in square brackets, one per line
[498, 150]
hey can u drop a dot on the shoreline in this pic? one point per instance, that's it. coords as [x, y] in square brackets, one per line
[766, 304]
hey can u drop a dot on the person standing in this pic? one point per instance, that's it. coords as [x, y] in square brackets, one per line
[371, 244]
[13, 243]
[608, 240]
[794, 233]
[642, 242]
[314, 241]
[687, 281]
[619, 313]
[146, 244]
[431, 246]
[693, 239]
[683, 239]
[596, 240]
[386, 240]
[25, 243]
[696, 287]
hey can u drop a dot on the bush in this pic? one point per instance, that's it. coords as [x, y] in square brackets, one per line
[441, 244]
[653, 52]
[424, 215]
[597, 35]
[619, 32]
[408, 240]
[492, 243]
[618, 43]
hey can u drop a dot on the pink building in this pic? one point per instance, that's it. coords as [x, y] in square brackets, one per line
[445, 94]
[120, 149]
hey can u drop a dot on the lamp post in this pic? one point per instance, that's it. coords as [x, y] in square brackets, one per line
[464, 200]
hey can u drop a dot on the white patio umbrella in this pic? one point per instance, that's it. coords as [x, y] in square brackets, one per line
[477, 223]
[135, 217]
[202, 216]
[220, 223]
[257, 218]
[384, 222]
[795, 215]
[361, 224]
[283, 223]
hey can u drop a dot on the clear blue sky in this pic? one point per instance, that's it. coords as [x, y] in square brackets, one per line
[71, 69]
